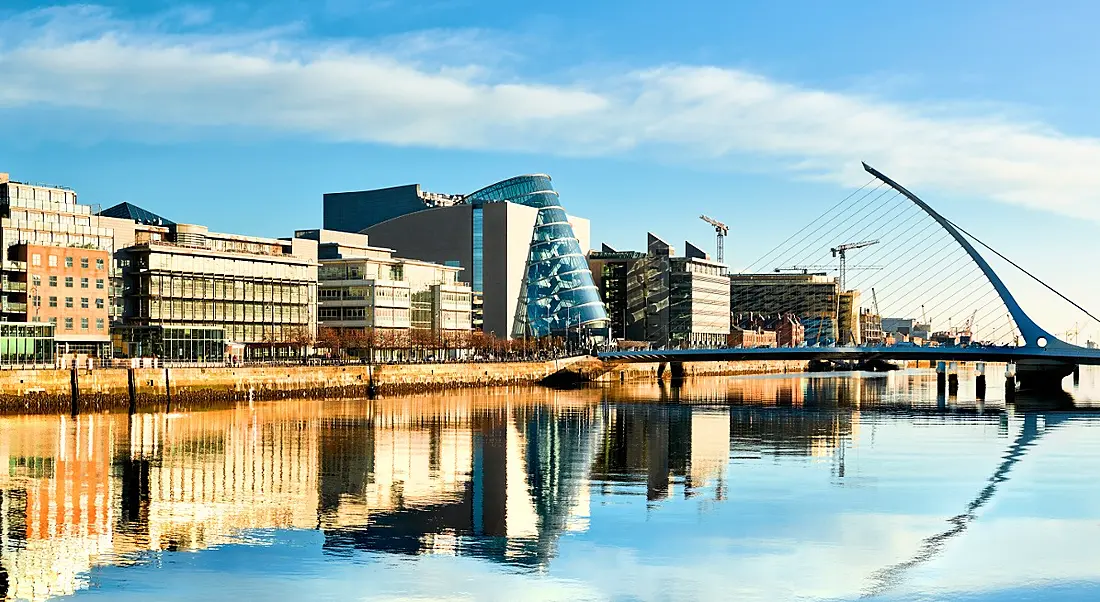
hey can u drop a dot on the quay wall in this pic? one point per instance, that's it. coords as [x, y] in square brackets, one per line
[108, 388]
[626, 372]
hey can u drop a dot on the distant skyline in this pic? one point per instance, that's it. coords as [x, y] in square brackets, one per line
[240, 115]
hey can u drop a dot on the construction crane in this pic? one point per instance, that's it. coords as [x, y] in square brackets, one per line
[841, 252]
[720, 230]
[805, 269]
[968, 328]
[874, 298]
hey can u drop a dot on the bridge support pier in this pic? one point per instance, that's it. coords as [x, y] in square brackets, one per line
[979, 382]
[953, 379]
[661, 367]
[1010, 382]
[941, 378]
[1041, 375]
[677, 369]
[1076, 375]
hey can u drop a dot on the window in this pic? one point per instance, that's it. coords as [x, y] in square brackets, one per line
[53, 280]
[53, 321]
[53, 301]
[36, 259]
[99, 283]
[99, 323]
[330, 293]
[83, 303]
[53, 261]
[68, 302]
[84, 323]
[36, 301]
[353, 313]
[68, 281]
[99, 264]
[68, 323]
[99, 303]
[68, 262]
[83, 283]
[84, 262]
[36, 280]
[329, 313]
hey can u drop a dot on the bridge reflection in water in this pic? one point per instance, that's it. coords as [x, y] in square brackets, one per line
[500, 475]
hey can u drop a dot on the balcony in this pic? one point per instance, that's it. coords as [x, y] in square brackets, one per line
[11, 286]
[13, 308]
[15, 266]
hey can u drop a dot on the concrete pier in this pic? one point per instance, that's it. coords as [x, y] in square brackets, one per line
[1010, 382]
[941, 378]
[953, 379]
[979, 381]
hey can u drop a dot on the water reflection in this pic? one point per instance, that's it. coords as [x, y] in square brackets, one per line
[505, 477]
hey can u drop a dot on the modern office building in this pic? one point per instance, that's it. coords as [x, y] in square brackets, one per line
[676, 302]
[813, 298]
[848, 318]
[522, 253]
[610, 269]
[254, 294]
[367, 289]
[57, 266]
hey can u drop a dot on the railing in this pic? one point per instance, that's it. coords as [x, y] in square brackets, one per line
[14, 308]
[15, 287]
[15, 266]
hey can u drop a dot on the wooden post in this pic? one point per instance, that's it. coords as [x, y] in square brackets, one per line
[167, 391]
[74, 386]
[131, 379]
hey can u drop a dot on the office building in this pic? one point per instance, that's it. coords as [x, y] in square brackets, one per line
[255, 295]
[677, 302]
[57, 266]
[906, 329]
[366, 289]
[848, 319]
[609, 272]
[813, 298]
[522, 253]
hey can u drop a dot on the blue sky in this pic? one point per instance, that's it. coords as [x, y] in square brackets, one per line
[241, 114]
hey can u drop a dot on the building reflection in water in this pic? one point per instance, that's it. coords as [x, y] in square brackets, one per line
[500, 475]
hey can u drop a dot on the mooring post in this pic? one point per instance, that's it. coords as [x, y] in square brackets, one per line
[1010, 382]
[167, 392]
[74, 386]
[979, 382]
[941, 378]
[953, 379]
[131, 382]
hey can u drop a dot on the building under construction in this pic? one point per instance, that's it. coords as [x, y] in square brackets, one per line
[814, 298]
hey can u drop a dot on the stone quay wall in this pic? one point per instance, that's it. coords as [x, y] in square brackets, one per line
[103, 389]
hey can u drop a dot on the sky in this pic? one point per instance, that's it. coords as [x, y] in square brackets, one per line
[240, 115]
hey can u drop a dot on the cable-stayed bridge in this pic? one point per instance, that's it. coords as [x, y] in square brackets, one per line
[914, 262]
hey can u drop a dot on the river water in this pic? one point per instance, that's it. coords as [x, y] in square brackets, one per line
[823, 487]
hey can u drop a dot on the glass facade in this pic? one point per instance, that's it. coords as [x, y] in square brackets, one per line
[23, 343]
[170, 343]
[558, 292]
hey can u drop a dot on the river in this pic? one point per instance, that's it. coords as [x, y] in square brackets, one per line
[784, 487]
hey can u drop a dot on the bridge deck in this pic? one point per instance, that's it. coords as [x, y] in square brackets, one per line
[1073, 355]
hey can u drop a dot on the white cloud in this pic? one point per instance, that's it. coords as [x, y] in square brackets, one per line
[278, 81]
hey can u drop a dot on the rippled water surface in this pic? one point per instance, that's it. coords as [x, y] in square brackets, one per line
[804, 487]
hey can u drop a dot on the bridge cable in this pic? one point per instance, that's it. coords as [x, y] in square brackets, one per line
[1019, 267]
